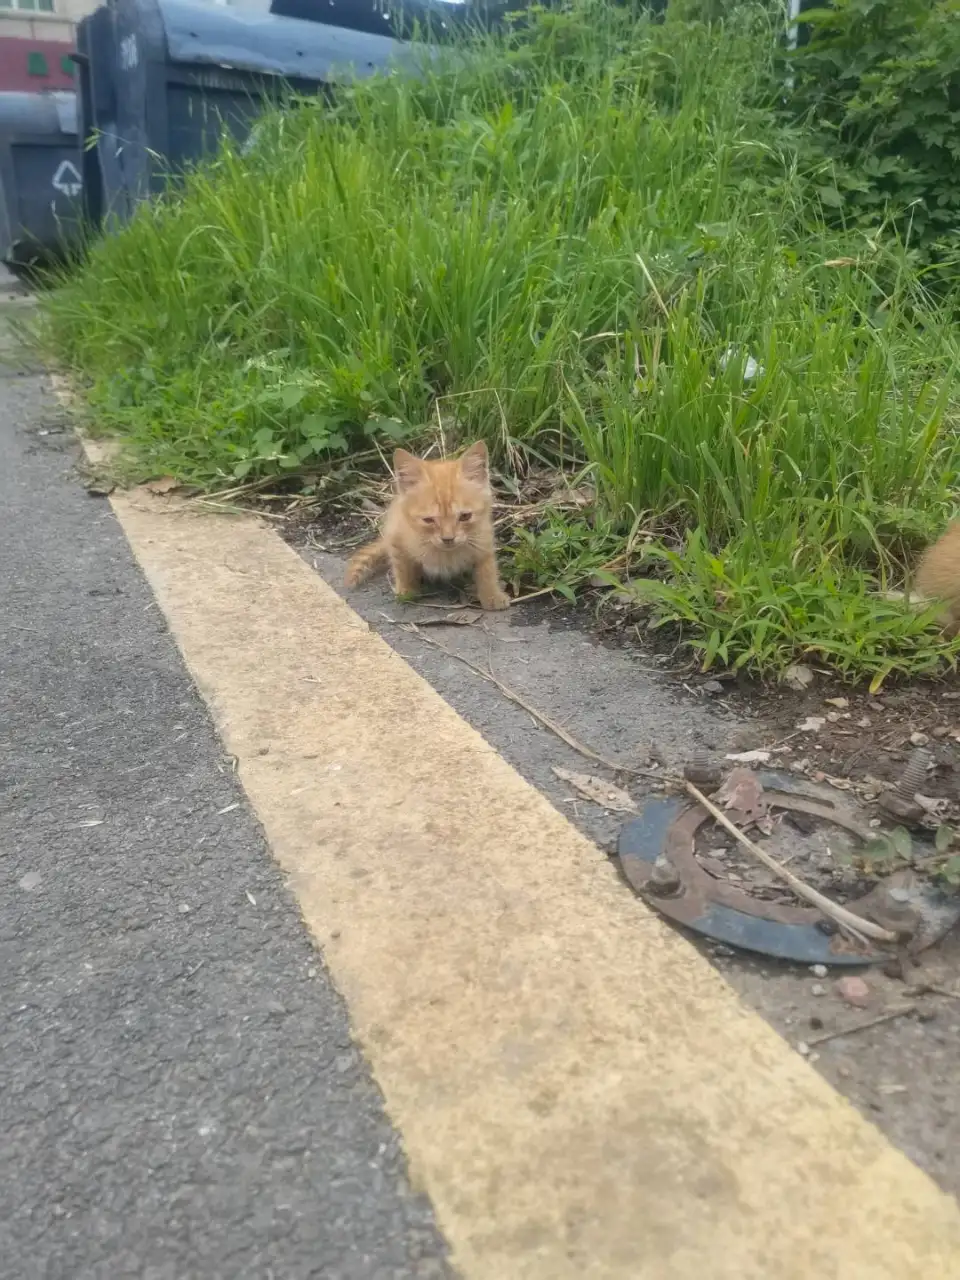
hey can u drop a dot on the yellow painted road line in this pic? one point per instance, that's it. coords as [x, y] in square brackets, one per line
[578, 1092]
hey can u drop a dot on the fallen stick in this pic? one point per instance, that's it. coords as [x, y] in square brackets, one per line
[853, 923]
[928, 988]
[863, 1026]
[513, 696]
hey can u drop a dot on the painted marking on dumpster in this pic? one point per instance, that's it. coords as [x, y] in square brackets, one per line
[67, 179]
[129, 53]
[579, 1092]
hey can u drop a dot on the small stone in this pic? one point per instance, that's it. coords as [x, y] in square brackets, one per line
[854, 991]
[712, 686]
[919, 739]
[30, 881]
[311, 972]
[941, 731]
[818, 989]
[799, 677]
[812, 724]
[864, 722]
[818, 970]
[184, 908]
[840, 703]
[803, 1048]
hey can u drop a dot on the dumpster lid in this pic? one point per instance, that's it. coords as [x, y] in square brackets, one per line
[39, 112]
[264, 42]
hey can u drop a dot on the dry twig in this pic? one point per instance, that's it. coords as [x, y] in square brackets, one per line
[863, 1026]
[929, 988]
[543, 719]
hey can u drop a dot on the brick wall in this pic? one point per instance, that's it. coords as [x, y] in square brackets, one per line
[31, 66]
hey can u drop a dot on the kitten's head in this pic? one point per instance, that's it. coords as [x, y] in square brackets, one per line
[446, 503]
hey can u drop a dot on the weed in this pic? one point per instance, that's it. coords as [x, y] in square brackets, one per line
[593, 240]
[562, 553]
[895, 850]
[761, 605]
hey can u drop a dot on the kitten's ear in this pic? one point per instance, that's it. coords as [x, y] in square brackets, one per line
[475, 465]
[407, 469]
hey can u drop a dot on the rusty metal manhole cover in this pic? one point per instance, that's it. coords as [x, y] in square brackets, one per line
[720, 910]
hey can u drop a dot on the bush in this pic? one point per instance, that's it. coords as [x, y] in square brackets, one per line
[879, 83]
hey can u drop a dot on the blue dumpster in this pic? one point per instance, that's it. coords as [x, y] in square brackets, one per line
[161, 80]
[41, 181]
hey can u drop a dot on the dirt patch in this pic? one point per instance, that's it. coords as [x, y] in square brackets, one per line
[870, 737]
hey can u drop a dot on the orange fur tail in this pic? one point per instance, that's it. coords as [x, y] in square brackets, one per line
[368, 561]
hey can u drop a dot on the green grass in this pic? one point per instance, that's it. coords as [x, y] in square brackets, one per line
[575, 243]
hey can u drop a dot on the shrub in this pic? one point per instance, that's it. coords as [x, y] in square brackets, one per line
[879, 84]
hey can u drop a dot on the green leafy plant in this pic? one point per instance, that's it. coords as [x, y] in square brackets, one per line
[595, 239]
[879, 85]
[562, 553]
[747, 605]
[893, 850]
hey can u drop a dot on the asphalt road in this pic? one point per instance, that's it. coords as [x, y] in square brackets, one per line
[179, 1094]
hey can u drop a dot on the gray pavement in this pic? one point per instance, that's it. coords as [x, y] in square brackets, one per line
[179, 1094]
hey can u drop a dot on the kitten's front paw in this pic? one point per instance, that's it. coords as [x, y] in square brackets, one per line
[495, 601]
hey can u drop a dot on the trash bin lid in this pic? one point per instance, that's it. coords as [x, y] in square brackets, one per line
[264, 42]
[38, 112]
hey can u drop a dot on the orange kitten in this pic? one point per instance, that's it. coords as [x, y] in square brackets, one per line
[438, 525]
[938, 575]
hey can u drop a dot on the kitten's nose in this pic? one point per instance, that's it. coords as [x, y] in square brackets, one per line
[448, 542]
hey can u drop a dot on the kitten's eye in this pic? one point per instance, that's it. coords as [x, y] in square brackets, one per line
[428, 519]
[465, 516]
